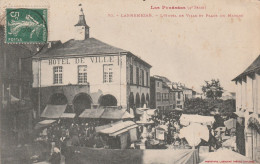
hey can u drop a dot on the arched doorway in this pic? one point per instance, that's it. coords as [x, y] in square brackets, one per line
[58, 99]
[142, 101]
[107, 100]
[81, 102]
[137, 100]
[252, 138]
[131, 100]
[147, 100]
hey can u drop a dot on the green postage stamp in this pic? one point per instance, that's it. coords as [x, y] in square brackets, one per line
[24, 25]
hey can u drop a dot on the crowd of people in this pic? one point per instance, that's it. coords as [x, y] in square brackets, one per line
[62, 134]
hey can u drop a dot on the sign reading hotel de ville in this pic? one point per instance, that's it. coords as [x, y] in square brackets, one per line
[130, 81]
[83, 60]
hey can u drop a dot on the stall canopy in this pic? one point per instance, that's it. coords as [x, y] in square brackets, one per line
[68, 115]
[151, 112]
[239, 113]
[119, 128]
[230, 124]
[114, 113]
[188, 119]
[141, 110]
[106, 113]
[231, 142]
[194, 133]
[226, 155]
[92, 113]
[53, 111]
[43, 124]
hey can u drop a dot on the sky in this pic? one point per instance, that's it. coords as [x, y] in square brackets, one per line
[184, 49]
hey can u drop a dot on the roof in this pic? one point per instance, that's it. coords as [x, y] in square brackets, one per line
[89, 46]
[164, 79]
[82, 21]
[253, 67]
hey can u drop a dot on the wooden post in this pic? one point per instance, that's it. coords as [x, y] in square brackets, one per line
[39, 91]
[20, 78]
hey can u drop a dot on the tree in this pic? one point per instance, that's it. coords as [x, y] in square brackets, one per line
[212, 89]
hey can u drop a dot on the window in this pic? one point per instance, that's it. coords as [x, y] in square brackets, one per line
[158, 96]
[82, 74]
[179, 95]
[158, 84]
[166, 96]
[179, 106]
[57, 71]
[108, 73]
[147, 79]
[178, 102]
[137, 76]
[131, 74]
[142, 76]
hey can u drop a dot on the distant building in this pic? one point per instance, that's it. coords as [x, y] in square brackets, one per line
[228, 96]
[179, 97]
[162, 95]
[87, 73]
[200, 95]
[248, 107]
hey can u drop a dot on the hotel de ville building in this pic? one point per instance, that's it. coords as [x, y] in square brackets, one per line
[86, 73]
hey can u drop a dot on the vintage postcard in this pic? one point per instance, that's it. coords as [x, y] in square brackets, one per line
[130, 81]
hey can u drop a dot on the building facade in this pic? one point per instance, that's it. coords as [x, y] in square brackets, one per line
[162, 95]
[86, 73]
[248, 107]
[16, 80]
[179, 97]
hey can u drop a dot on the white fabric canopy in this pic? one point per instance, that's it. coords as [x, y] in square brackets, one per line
[188, 119]
[44, 123]
[119, 128]
[194, 133]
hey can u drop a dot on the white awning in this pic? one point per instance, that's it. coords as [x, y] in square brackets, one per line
[188, 119]
[53, 111]
[151, 112]
[127, 115]
[68, 115]
[123, 130]
[240, 114]
[119, 128]
[44, 123]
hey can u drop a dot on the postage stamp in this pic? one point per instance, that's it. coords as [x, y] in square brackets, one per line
[26, 25]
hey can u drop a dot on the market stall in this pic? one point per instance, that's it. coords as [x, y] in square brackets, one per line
[186, 119]
[194, 133]
[123, 130]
